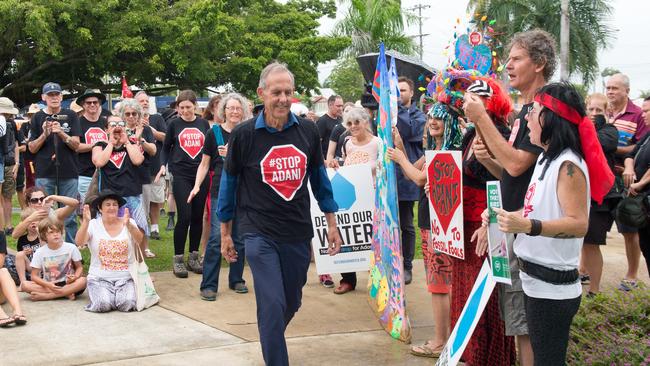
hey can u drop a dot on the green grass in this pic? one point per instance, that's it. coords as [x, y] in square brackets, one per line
[164, 248]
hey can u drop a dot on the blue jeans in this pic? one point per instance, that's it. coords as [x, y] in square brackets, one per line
[67, 188]
[279, 273]
[84, 183]
[212, 258]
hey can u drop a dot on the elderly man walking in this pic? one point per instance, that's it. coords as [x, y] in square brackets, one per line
[269, 161]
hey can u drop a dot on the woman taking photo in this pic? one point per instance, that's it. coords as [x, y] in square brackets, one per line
[182, 151]
[111, 238]
[554, 219]
[232, 109]
[120, 164]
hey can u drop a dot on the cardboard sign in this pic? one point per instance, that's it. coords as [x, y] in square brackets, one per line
[472, 57]
[355, 196]
[469, 317]
[497, 240]
[446, 202]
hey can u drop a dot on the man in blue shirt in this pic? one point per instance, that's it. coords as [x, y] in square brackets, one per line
[270, 158]
[410, 124]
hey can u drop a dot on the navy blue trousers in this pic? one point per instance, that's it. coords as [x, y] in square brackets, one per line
[279, 273]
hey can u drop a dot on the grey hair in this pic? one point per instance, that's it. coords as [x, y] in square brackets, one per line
[541, 47]
[355, 114]
[141, 92]
[271, 68]
[221, 107]
[129, 103]
[623, 78]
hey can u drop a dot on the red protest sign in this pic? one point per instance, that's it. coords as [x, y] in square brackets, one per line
[446, 201]
[283, 168]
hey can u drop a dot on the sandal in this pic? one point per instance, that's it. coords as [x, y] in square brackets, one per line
[4, 323]
[149, 254]
[627, 285]
[20, 319]
[425, 350]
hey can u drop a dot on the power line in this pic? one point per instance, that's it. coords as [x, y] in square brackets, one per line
[419, 8]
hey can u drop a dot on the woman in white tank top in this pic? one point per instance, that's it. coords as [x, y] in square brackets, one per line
[555, 216]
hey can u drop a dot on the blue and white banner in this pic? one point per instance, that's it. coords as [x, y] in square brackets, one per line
[355, 196]
[469, 318]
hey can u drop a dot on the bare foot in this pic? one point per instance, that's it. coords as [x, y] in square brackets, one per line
[71, 297]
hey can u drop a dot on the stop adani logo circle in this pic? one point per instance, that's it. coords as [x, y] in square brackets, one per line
[283, 168]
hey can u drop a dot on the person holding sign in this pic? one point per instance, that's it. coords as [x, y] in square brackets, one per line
[555, 216]
[437, 266]
[361, 148]
[270, 158]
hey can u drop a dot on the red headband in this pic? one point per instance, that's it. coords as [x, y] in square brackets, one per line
[601, 178]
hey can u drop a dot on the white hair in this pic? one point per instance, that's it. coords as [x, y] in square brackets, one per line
[623, 78]
[273, 68]
[129, 103]
[221, 107]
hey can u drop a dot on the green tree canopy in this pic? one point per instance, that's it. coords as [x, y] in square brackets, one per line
[160, 45]
[589, 30]
[370, 22]
[346, 80]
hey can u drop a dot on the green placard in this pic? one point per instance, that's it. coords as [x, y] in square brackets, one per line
[497, 240]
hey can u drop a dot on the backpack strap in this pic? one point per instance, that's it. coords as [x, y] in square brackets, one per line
[218, 136]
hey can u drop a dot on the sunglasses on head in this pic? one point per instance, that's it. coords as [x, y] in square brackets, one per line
[36, 200]
[356, 123]
[113, 124]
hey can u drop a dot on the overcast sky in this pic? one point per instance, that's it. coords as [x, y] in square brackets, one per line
[630, 50]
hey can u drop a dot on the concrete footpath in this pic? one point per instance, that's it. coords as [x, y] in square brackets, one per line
[328, 330]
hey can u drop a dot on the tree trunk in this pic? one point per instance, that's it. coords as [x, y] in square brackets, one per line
[564, 41]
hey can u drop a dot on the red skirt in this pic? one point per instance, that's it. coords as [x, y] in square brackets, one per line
[489, 344]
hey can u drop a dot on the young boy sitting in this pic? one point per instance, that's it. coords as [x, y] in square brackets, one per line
[27, 244]
[60, 263]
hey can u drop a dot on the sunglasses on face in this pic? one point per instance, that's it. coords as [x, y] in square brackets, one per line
[36, 200]
[92, 102]
[116, 124]
[130, 114]
[350, 123]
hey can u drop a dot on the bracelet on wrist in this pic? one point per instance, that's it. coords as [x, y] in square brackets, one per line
[535, 227]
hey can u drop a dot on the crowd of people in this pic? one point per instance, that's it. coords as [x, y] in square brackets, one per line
[112, 173]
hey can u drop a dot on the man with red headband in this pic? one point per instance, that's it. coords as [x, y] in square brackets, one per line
[531, 63]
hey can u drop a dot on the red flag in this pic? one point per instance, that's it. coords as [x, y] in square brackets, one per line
[126, 92]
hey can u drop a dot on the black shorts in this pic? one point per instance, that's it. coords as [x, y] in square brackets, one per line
[601, 218]
[20, 178]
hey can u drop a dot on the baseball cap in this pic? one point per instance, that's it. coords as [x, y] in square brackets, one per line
[51, 88]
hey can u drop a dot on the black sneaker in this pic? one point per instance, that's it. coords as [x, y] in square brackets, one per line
[208, 295]
[240, 288]
[154, 235]
[408, 276]
[170, 224]
[585, 279]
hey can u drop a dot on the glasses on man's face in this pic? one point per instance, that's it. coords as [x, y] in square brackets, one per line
[36, 200]
[130, 114]
[92, 102]
[350, 123]
[234, 109]
[114, 124]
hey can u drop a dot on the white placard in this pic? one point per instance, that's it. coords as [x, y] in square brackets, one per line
[355, 195]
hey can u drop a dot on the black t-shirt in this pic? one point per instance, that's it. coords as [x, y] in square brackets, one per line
[517, 186]
[158, 123]
[119, 174]
[183, 144]
[91, 133]
[641, 156]
[45, 159]
[216, 161]
[144, 171]
[326, 125]
[337, 132]
[24, 243]
[24, 132]
[283, 214]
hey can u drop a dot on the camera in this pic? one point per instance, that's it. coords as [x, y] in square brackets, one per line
[56, 117]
